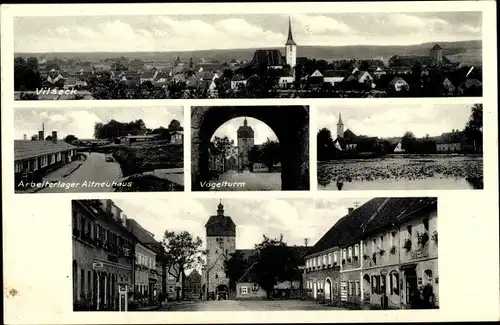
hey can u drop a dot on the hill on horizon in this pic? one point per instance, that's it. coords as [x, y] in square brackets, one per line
[471, 51]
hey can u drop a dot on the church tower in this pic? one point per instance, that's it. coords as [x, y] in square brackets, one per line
[221, 242]
[290, 47]
[246, 140]
[340, 127]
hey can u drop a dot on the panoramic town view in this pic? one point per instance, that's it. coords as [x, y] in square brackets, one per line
[250, 148]
[98, 150]
[432, 54]
[400, 147]
[255, 254]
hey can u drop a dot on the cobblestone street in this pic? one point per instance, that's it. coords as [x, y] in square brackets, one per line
[245, 305]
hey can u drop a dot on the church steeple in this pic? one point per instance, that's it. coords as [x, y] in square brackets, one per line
[245, 123]
[290, 40]
[340, 127]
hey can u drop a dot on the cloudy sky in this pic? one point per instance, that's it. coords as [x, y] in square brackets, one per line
[183, 33]
[80, 121]
[261, 131]
[389, 120]
[296, 219]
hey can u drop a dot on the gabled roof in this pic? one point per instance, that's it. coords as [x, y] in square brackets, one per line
[25, 149]
[450, 137]
[436, 47]
[149, 74]
[396, 80]
[316, 74]
[144, 236]
[398, 209]
[348, 228]
[238, 77]
[268, 58]
[336, 73]
[220, 226]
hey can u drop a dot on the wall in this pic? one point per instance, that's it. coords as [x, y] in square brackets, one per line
[259, 293]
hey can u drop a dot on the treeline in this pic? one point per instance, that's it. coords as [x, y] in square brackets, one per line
[115, 129]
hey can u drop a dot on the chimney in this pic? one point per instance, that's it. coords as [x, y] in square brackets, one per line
[350, 210]
[124, 219]
[25, 137]
[40, 136]
[54, 136]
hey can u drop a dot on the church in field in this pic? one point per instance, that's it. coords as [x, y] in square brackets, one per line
[348, 141]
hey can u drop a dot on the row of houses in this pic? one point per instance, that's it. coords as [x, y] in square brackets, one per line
[383, 254]
[117, 264]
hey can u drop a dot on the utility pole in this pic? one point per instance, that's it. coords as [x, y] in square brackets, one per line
[305, 241]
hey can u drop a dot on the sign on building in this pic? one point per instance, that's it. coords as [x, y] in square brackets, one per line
[343, 290]
[97, 265]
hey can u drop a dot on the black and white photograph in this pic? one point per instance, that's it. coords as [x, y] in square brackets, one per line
[400, 147]
[250, 148]
[70, 150]
[299, 55]
[255, 254]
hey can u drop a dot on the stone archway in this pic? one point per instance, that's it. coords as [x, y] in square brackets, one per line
[328, 290]
[289, 123]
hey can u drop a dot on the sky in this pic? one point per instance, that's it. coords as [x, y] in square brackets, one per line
[389, 120]
[296, 219]
[261, 131]
[204, 32]
[80, 121]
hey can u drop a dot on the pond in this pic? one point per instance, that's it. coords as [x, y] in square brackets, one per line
[403, 172]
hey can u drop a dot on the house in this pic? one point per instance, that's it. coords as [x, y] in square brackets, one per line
[363, 77]
[447, 86]
[150, 75]
[174, 279]
[71, 82]
[398, 84]
[177, 137]
[399, 148]
[451, 142]
[103, 255]
[146, 289]
[377, 255]
[400, 252]
[471, 87]
[54, 76]
[191, 286]
[237, 80]
[352, 142]
[131, 139]
[335, 76]
[162, 77]
[378, 72]
[33, 159]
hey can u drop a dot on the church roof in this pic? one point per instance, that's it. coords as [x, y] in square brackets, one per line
[290, 40]
[269, 58]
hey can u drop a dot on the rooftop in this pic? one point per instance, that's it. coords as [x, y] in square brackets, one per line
[26, 149]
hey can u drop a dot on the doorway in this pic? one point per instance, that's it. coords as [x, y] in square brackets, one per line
[411, 283]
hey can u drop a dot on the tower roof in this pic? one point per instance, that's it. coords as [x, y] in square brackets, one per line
[245, 131]
[436, 47]
[290, 40]
[340, 119]
[220, 225]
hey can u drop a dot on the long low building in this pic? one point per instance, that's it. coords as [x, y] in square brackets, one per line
[35, 158]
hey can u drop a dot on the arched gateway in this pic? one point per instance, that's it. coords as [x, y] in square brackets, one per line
[289, 123]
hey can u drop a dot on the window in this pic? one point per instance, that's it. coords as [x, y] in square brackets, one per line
[324, 259]
[350, 252]
[382, 284]
[335, 257]
[382, 242]
[393, 238]
[336, 288]
[82, 281]
[356, 250]
[349, 288]
[329, 258]
[426, 224]
[374, 245]
[244, 290]
[394, 283]
[376, 284]
[216, 276]
[408, 228]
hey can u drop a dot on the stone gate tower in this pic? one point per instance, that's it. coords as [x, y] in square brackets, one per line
[221, 242]
[246, 140]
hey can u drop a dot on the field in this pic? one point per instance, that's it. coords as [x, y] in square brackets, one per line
[410, 171]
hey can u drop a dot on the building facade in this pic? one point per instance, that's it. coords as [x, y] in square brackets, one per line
[103, 254]
[146, 276]
[191, 286]
[33, 159]
[221, 243]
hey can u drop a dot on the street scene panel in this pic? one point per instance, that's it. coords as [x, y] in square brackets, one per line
[216, 255]
[98, 150]
[313, 55]
[250, 148]
[400, 147]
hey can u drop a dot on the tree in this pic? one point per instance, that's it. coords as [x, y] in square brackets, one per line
[273, 262]
[409, 142]
[174, 126]
[182, 250]
[222, 145]
[70, 138]
[235, 267]
[48, 138]
[270, 153]
[191, 63]
[34, 137]
[474, 128]
[325, 144]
